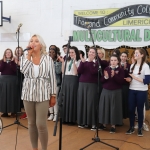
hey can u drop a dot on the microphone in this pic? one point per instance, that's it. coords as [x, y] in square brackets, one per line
[20, 25]
[27, 49]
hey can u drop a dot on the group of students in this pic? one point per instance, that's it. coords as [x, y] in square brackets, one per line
[122, 89]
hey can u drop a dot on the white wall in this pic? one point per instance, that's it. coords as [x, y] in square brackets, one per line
[49, 18]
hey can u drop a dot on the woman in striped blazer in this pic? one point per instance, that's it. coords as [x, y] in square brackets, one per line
[38, 86]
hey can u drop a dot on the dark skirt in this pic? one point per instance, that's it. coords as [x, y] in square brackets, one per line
[70, 98]
[87, 103]
[100, 89]
[110, 107]
[9, 101]
[125, 95]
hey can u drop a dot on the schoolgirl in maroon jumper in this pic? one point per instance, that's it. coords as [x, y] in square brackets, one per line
[110, 105]
[87, 91]
[8, 85]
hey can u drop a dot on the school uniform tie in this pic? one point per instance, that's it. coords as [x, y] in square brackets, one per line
[71, 62]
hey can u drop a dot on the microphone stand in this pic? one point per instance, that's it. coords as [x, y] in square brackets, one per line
[18, 85]
[61, 99]
[97, 139]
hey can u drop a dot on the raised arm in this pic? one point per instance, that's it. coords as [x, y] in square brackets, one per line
[81, 68]
[25, 64]
[146, 79]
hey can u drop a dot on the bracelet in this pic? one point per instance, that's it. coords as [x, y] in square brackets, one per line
[54, 95]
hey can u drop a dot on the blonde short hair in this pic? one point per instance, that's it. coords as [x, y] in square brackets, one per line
[43, 45]
[103, 51]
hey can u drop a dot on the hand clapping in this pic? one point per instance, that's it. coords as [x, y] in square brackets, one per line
[128, 79]
[106, 74]
[82, 59]
[59, 58]
[112, 73]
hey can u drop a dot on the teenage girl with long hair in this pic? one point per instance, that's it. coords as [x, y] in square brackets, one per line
[140, 77]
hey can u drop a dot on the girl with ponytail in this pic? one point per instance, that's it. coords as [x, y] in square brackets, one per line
[140, 77]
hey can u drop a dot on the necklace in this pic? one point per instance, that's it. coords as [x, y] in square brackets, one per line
[34, 57]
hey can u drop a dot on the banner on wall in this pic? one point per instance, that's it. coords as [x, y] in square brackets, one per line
[129, 25]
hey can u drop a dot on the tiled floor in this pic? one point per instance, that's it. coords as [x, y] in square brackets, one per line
[74, 138]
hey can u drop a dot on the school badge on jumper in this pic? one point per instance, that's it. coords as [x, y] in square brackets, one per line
[116, 72]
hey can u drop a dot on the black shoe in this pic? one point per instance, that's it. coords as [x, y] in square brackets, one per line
[140, 132]
[119, 125]
[64, 122]
[72, 123]
[130, 131]
[13, 115]
[112, 130]
[5, 115]
[101, 127]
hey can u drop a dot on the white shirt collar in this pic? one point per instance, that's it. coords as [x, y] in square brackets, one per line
[93, 60]
[123, 62]
[113, 67]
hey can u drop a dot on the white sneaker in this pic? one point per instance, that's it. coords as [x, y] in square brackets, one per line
[81, 126]
[136, 126]
[93, 128]
[145, 127]
[54, 119]
[50, 117]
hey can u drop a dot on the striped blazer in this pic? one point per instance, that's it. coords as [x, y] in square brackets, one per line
[40, 88]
